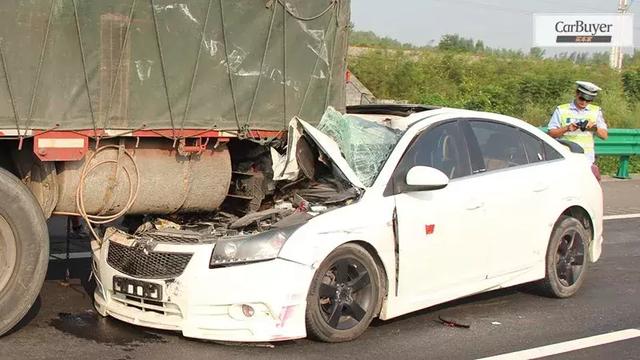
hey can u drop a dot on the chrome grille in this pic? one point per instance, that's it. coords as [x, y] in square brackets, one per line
[168, 237]
[136, 262]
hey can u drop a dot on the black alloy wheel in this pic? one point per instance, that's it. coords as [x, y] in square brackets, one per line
[567, 260]
[345, 295]
[570, 258]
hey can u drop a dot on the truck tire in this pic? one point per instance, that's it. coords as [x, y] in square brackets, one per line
[24, 250]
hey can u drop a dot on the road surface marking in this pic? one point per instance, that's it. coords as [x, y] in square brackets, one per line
[567, 346]
[618, 217]
[73, 255]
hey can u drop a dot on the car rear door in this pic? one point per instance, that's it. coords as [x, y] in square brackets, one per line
[516, 189]
[437, 249]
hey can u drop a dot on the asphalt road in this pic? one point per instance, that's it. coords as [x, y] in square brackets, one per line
[62, 324]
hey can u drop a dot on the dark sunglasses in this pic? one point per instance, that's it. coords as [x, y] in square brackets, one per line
[583, 99]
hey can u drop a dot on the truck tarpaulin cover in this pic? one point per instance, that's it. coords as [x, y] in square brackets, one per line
[170, 64]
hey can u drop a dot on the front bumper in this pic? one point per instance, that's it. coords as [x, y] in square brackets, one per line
[208, 303]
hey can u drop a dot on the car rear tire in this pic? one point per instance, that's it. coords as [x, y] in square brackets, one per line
[24, 250]
[344, 296]
[567, 259]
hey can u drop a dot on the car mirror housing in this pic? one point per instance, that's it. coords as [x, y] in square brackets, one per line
[424, 178]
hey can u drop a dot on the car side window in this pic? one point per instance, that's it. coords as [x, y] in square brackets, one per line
[533, 147]
[441, 147]
[500, 145]
[551, 153]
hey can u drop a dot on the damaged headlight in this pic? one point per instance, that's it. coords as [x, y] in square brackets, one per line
[253, 248]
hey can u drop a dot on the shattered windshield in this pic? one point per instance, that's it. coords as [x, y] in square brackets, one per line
[365, 144]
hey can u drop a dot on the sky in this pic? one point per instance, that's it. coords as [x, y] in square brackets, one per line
[498, 23]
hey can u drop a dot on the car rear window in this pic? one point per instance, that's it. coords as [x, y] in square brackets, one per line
[551, 153]
[533, 147]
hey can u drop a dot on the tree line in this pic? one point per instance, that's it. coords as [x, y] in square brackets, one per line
[465, 73]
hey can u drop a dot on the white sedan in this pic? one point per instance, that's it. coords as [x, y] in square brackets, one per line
[465, 202]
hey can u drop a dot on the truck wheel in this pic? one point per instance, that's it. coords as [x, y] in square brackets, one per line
[24, 250]
[344, 296]
[567, 258]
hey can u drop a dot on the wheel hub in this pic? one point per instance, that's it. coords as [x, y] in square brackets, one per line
[344, 294]
[8, 252]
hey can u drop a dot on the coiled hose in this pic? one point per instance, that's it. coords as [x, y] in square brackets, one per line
[86, 170]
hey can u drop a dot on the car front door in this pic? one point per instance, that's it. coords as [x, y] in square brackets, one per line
[438, 246]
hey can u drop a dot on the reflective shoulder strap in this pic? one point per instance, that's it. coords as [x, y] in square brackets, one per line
[592, 107]
[593, 113]
[565, 113]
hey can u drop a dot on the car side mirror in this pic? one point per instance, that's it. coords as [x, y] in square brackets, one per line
[424, 178]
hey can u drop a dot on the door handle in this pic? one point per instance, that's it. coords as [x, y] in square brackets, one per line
[475, 205]
[540, 187]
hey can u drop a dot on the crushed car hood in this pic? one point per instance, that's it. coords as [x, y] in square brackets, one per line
[330, 148]
[287, 168]
[356, 147]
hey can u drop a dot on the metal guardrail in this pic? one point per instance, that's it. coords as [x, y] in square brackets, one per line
[621, 142]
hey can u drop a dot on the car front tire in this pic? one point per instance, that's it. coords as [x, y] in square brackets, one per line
[345, 295]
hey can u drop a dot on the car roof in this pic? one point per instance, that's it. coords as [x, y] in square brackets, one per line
[426, 118]
[436, 115]
[390, 109]
[416, 112]
[406, 115]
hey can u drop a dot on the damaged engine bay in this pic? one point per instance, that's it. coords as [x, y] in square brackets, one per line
[256, 203]
[276, 184]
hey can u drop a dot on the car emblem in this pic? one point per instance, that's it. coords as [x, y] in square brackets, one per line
[145, 245]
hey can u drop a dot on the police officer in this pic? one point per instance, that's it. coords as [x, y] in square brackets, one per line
[578, 120]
